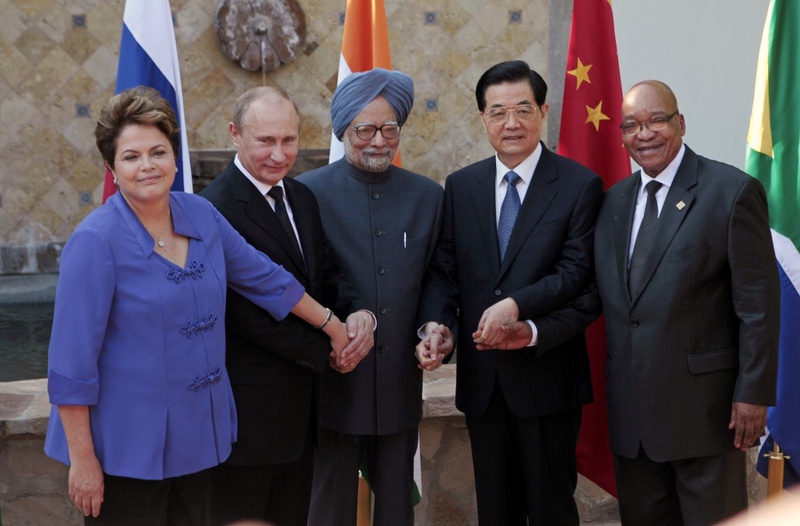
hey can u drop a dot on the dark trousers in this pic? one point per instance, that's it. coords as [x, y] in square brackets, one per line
[177, 501]
[390, 461]
[525, 468]
[279, 494]
[688, 492]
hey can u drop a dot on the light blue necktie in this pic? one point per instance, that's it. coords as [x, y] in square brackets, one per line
[508, 212]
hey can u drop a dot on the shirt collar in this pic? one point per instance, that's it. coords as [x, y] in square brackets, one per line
[524, 169]
[263, 188]
[667, 175]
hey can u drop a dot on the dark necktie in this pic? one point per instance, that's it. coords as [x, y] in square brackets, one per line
[276, 192]
[644, 239]
[508, 212]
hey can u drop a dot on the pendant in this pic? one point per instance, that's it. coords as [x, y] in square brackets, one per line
[161, 243]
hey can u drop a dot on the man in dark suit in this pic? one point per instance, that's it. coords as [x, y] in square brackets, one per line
[383, 222]
[688, 281]
[274, 366]
[494, 266]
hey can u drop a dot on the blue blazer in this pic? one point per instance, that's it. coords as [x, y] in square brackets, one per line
[141, 341]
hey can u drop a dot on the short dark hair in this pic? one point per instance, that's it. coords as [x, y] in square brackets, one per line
[513, 71]
[139, 105]
[247, 99]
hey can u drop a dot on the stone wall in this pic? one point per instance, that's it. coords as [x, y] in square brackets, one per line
[58, 63]
[33, 487]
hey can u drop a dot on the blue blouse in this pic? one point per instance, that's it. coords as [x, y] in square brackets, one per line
[141, 340]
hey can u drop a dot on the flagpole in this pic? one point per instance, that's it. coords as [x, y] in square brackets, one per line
[775, 472]
[363, 513]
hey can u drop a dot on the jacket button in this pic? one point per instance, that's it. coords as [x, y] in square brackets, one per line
[383, 310]
[634, 323]
[382, 349]
[498, 292]
[381, 271]
[376, 195]
[379, 232]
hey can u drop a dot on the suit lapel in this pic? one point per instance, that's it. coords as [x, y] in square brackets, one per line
[623, 224]
[676, 207]
[257, 209]
[483, 202]
[537, 199]
[302, 222]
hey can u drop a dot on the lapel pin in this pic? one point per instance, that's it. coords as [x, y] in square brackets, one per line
[680, 205]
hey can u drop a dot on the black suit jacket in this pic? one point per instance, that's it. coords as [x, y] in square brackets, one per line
[703, 332]
[548, 263]
[274, 366]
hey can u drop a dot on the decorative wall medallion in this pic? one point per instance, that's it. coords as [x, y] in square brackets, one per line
[260, 34]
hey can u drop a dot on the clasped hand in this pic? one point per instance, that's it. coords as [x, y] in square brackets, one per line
[434, 347]
[499, 328]
[351, 341]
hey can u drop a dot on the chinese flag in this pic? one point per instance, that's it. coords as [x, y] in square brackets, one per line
[590, 134]
[365, 45]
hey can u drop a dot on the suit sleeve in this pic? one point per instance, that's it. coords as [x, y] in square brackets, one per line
[287, 337]
[573, 269]
[560, 325]
[756, 295]
[337, 292]
[440, 294]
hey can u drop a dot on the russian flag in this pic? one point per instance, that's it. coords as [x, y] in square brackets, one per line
[148, 57]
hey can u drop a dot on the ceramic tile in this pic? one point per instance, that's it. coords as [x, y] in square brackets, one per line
[47, 62]
[13, 22]
[102, 65]
[33, 8]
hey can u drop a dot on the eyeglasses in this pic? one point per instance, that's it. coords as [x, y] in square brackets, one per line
[635, 128]
[499, 114]
[366, 132]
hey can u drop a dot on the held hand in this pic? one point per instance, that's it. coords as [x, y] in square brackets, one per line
[748, 421]
[493, 319]
[517, 335]
[337, 332]
[434, 347]
[86, 486]
[360, 331]
[338, 368]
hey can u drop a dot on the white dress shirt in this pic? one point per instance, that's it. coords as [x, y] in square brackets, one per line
[525, 171]
[666, 177]
[263, 188]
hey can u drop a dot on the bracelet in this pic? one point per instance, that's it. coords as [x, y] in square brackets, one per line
[328, 319]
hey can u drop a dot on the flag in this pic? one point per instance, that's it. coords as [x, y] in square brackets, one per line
[590, 135]
[365, 45]
[148, 57]
[772, 157]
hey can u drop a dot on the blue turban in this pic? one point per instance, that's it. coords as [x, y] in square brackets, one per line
[359, 89]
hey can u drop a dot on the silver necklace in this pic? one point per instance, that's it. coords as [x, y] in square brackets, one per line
[160, 241]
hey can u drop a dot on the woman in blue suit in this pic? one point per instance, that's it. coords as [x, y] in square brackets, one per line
[142, 405]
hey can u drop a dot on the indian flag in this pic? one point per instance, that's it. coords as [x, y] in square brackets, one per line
[773, 157]
[365, 45]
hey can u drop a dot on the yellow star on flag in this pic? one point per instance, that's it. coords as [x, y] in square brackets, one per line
[581, 73]
[595, 115]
